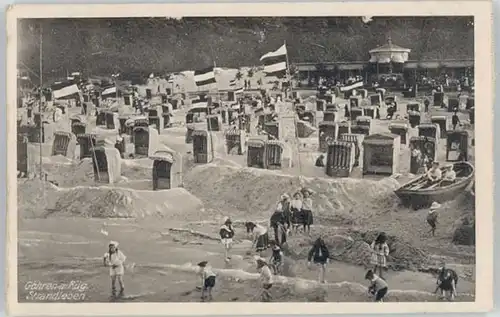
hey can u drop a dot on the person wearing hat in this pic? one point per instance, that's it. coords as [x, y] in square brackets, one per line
[207, 279]
[115, 259]
[380, 252]
[307, 206]
[266, 279]
[432, 217]
[449, 175]
[279, 219]
[226, 233]
[434, 174]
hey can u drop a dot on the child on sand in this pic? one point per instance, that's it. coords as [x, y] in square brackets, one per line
[115, 259]
[266, 279]
[276, 259]
[260, 236]
[207, 280]
[380, 252]
[320, 255]
[432, 217]
[378, 286]
[447, 281]
[226, 233]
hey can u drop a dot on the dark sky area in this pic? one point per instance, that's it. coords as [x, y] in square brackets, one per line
[131, 45]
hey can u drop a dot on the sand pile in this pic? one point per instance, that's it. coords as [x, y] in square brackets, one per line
[257, 191]
[111, 202]
[67, 173]
[34, 197]
[465, 232]
[355, 249]
[403, 255]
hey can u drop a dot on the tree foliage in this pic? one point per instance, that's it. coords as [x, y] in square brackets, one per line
[132, 45]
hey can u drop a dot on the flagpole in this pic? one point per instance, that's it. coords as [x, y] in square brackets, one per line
[40, 104]
[287, 68]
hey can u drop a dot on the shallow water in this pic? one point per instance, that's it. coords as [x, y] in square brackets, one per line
[162, 266]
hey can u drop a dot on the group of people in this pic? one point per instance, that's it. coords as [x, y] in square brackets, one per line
[436, 176]
[319, 255]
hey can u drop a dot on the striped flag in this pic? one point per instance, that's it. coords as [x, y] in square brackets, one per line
[353, 85]
[232, 85]
[204, 76]
[64, 89]
[275, 62]
[109, 91]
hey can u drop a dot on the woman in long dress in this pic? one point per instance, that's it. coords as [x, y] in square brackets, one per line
[307, 206]
[296, 211]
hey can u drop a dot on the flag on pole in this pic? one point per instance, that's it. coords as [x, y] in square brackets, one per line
[239, 90]
[232, 83]
[275, 62]
[64, 89]
[353, 85]
[204, 76]
[109, 91]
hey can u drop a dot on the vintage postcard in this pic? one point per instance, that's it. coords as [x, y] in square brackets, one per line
[224, 159]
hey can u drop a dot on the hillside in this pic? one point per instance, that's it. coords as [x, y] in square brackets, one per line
[99, 46]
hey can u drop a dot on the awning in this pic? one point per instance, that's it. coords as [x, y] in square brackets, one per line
[458, 64]
[428, 64]
[351, 67]
[411, 65]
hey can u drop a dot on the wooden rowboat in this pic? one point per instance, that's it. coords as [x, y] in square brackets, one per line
[418, 194]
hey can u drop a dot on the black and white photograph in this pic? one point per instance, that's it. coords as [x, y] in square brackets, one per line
[250, 159]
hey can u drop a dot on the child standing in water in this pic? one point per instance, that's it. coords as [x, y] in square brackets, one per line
[115, 259]
[207, 280]
[226, 233]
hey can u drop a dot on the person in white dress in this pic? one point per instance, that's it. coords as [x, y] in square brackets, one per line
[115, 259]
[266, 279]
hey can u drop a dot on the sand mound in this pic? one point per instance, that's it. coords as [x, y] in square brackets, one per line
[403, 255]
[465, 232]
[111, 202]
[34, 197]
[257, 191]
[355, 249]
